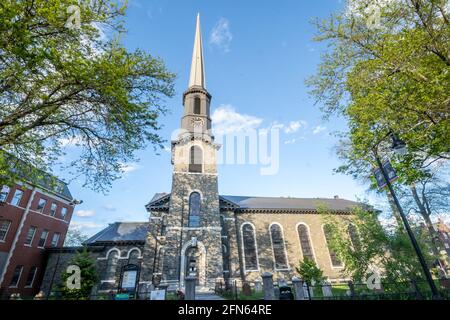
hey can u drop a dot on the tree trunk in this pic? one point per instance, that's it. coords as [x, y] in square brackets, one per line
[436, 241]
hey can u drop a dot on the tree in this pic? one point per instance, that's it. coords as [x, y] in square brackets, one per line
[74, 238]
[309, 271]
[388, 78]
[66, 83]
[89, 277]
[388, 253]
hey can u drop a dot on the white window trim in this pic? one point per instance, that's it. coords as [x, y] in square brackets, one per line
[46, 237]
[7, 230]
[108, 252]
[53, 237]
[284, 248]
[32, 238]
[13, 197]
[53, 214]
[328, 249]
[243, 248]
[45, 203]
[7, 194]
[310, 241]
[18, 279]
[47, 215]
[32, 281]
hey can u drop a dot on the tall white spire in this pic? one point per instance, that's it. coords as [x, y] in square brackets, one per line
[197, 77]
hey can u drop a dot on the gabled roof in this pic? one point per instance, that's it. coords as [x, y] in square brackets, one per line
[120, 232]
[246, 202]
[241, 203]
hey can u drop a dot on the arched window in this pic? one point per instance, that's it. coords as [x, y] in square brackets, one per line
[354, 236]
[194, 209]
[195, 159]
[305, 243]
[197, 105]
[133, 257]
[279, 252]
[111, 265]
[250, 254]
[335, 262]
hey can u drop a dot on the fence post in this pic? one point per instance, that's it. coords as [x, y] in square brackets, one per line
[297, 283]
[190, 287]
[326, 289]
[269, 293]
[351, 287]
[415, 290]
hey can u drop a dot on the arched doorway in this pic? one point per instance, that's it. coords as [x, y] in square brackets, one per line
[193, 261]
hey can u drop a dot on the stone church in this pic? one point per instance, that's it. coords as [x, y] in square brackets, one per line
[193, 230]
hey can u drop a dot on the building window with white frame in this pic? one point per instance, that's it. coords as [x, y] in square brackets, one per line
[111, 265]
[353, 233]
[4, 193]
[335, 261]
[194, 210]
[41, 205]
[55, 239]
[250, 251]
[30, 277]
[305, 242]
[133, 257]
[30, 236]
[279, 252]
[43, 238]
[16, 277]
[4, 228]
[17, 197]
[53, 208]
[63, 212]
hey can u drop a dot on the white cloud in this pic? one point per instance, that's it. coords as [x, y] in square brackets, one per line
[290, 141]
[294, 140]
[129, 167]
[294, 126]
[167, 149]
[226, 120]
[318, 129]
[85, 213]
[70, 141]
[85, 225]
[221, 35]
[109, 207]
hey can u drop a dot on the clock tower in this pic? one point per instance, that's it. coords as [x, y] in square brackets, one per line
[191, 243]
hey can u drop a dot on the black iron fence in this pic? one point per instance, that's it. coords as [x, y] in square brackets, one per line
[341, 290]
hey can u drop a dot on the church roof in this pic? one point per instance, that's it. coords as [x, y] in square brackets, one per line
[120, 232]
[161, 202]
[246, 202]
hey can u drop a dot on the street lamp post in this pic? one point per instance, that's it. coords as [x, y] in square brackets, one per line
[422, 261]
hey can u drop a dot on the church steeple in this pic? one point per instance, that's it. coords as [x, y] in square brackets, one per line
[196, 99]
[197, 77]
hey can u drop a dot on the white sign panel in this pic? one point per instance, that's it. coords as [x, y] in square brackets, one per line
[158, 295]
[129, 279]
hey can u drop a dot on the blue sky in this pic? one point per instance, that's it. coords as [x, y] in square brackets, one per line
[257, 56]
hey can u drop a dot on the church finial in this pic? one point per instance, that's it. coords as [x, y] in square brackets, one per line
[197, 77]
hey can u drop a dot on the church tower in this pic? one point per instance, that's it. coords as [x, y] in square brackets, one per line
[185, 230]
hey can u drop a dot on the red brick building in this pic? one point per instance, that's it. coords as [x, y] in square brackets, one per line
[32, 217]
